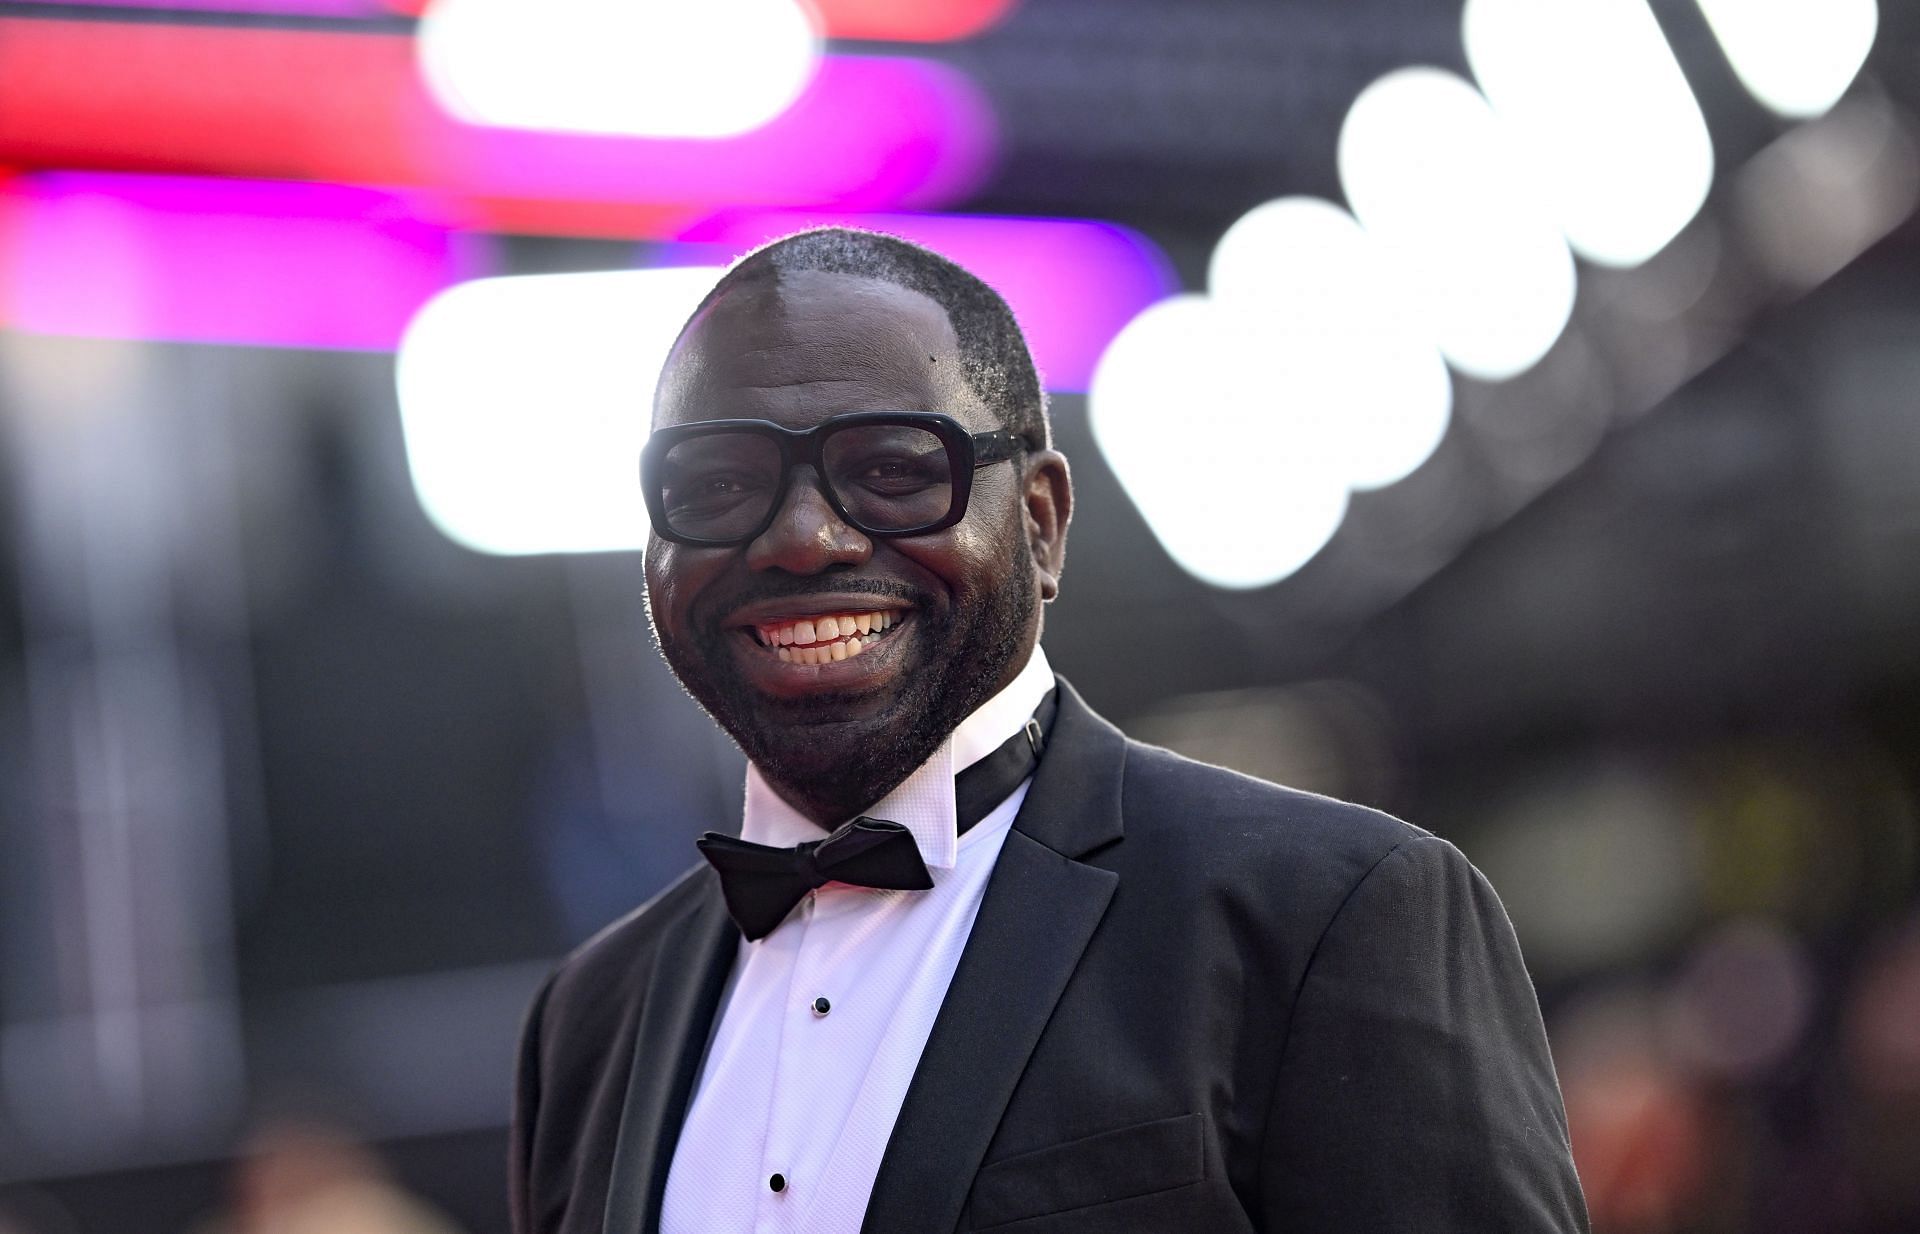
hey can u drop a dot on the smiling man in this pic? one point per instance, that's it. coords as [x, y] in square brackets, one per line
[976, 961]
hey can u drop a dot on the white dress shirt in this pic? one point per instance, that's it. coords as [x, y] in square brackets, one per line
[809, 1090]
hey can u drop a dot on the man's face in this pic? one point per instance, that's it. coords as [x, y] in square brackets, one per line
[950, 616]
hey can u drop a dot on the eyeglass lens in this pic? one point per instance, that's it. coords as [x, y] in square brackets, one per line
[888, 477]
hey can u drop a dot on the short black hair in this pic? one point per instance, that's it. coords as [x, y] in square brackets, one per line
[994, 360]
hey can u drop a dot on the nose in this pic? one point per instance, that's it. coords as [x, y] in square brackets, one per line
[806, 535]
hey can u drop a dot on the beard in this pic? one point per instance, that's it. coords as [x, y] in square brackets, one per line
[832, 754]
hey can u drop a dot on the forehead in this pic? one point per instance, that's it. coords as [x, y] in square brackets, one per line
[806, 345]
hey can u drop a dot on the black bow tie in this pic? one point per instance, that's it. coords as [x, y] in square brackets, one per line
[761, 883]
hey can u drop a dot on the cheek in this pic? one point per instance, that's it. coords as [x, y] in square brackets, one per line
[678, 578]
[667, 586]
[969, 558]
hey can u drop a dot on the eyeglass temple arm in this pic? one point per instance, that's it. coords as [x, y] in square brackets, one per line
[991, 447]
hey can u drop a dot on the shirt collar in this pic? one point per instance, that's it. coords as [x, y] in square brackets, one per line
[923, 803]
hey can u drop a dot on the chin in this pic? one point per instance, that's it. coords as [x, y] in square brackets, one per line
[848, 747]
[852, 747]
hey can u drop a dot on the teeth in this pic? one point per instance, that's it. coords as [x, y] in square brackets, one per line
[823, 640]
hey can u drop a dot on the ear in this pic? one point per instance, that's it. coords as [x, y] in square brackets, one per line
[1049, 504]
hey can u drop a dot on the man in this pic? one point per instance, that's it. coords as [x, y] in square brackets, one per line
[1088, 986]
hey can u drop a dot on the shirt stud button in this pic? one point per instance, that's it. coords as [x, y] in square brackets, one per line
[777, 1183]
[820, 1006]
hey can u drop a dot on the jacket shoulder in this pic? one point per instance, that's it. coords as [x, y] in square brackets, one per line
[1220, 826]
[1164, 789]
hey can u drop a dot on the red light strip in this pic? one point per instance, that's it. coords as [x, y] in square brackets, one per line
[155, 97]
[929, 21]
[349, 108]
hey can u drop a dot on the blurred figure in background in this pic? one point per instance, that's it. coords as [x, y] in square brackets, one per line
[297, 1179]
[24, 1211]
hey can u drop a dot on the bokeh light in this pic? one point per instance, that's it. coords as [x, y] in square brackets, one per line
[1302, 362]
[1644, 1135]
[1432, 177]
[1350, 355]
[1742, 1001]
[1240, 486]
[1796, 56]
[1594, 863]
[1600, 115]
[1883, 1027]
[639, 68]
[1819, 194]
[525, 400]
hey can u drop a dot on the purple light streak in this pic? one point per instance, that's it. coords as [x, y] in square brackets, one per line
[1072, 283]
[261, 263]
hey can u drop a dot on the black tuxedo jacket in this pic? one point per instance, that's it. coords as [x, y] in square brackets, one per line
[1192, 1001]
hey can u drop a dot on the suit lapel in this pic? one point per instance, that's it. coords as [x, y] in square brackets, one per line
[1041, 908]
[676, 1019]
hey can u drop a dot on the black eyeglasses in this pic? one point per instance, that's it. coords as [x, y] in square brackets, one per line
[887, 473]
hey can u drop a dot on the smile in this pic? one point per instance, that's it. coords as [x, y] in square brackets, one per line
[825, 638]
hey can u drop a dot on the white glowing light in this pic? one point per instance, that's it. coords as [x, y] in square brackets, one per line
[1796, 56]
[1601, 115]
[1240, 488]
[1239, 421]
[642, 68]
[1430, 174]
[1343, 355]
[524, 403]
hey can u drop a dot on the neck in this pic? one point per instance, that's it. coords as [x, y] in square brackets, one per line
[826, 807]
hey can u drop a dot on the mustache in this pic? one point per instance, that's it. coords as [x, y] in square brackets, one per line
[796, 587]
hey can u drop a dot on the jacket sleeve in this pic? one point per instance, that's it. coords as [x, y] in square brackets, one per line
[1415, 1090]
[526, 1109]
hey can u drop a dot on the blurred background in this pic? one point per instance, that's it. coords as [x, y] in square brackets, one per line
[1499, 412]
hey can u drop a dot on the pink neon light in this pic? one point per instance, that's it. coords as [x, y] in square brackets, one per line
[221, 261]
[867, 132]
[1072, 283]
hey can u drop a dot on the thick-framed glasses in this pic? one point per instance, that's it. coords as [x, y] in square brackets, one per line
[713, 483]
